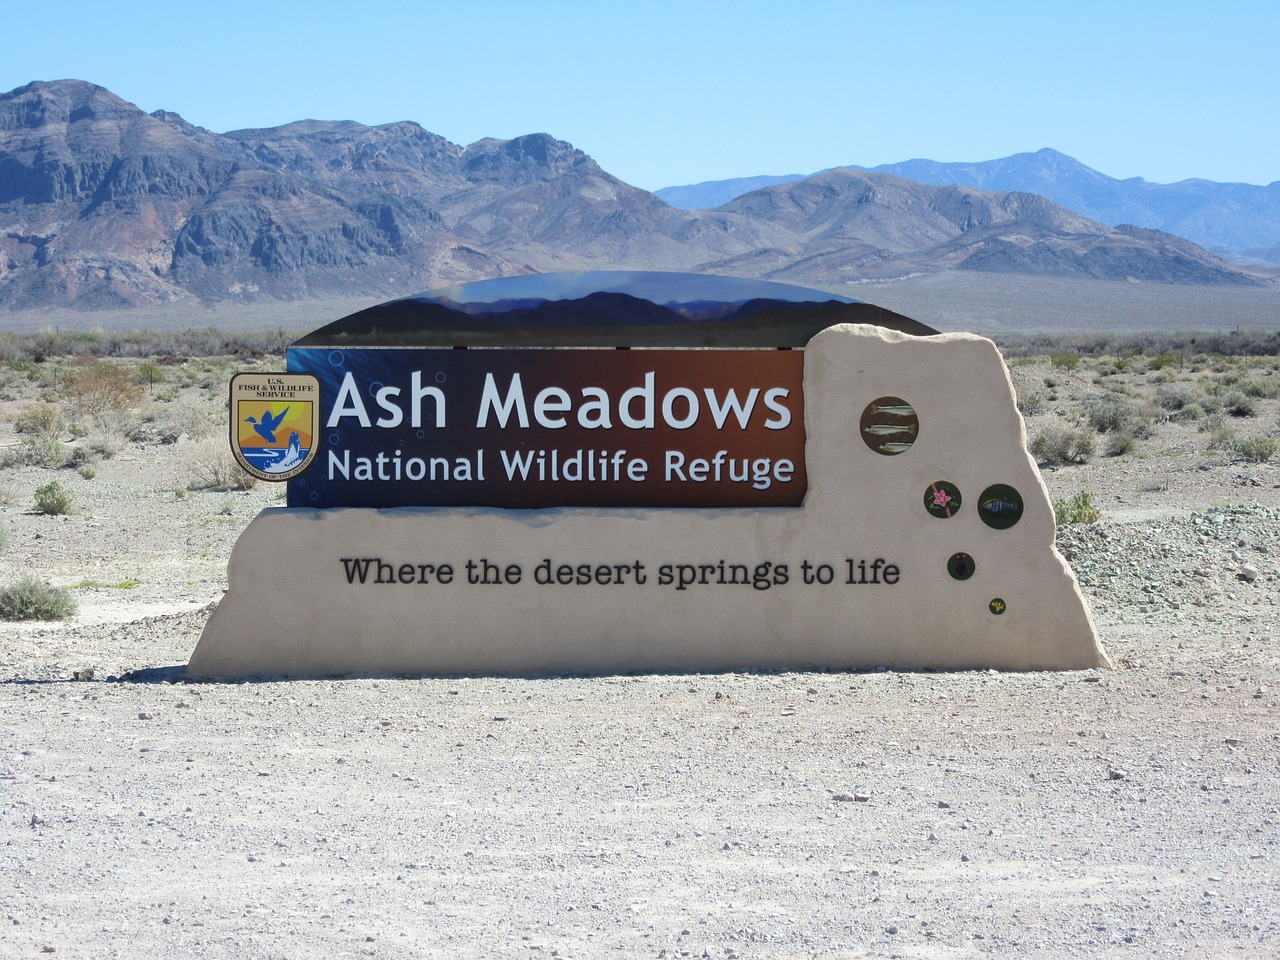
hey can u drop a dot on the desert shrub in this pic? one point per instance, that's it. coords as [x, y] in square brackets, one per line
[36, 450]
[1176, 396]
[1030, 404]
[104, 447]
[1119, 442]
[1108, 413]
[87, 470]
[1065, 359]
[4, 536]
[1167, 359]
[1051, 383]
[1220, 437]
[1192, 411]
[1114, 413]
[1077, 509]
[53, 498]
[38, 418]
[1237, 404]
[79, 456]
[149, 373]
[100, 386]
[1267, 389]
[214, 467]
[1257, 449]
[168, 424]
[32, 599]
[1061, 444]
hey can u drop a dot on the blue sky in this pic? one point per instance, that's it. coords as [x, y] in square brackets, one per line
[663, 93]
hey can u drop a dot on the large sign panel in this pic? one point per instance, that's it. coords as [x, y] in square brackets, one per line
[554, 428]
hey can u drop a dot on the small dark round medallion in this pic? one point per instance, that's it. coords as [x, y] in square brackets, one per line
[889, 426]
[960, 566]
[1000, 506]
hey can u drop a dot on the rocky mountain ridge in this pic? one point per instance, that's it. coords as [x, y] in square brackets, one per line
[103, 205]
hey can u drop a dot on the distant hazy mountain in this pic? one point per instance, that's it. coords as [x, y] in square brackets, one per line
[713, 193]
[1235, 217]
[103, 205]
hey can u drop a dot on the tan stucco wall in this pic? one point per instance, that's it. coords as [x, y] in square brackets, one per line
[291, 611]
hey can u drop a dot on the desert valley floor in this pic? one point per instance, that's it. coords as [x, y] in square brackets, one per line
[1131, 812]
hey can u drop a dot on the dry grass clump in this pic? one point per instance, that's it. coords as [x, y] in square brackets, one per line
[214, 467]
[36, 418]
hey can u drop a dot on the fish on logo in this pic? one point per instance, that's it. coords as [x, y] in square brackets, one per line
[894, 446]
[894, 409]
[888, 429]
[1000, 506]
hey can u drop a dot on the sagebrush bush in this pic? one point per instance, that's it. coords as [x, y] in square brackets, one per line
[54, 499]
[32, 599]
[1061, 444]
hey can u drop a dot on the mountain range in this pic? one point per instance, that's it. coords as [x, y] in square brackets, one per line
[1235, 218]
[105, 206]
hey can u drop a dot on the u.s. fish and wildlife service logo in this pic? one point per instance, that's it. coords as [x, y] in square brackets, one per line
[275, 423]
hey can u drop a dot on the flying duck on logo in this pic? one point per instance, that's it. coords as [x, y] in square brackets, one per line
[275, 419]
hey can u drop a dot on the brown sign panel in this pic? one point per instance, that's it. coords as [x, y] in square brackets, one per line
[553, 428]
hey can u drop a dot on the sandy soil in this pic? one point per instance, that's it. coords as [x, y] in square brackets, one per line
[1123, 813]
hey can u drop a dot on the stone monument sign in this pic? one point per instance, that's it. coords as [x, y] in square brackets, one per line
[617, 473]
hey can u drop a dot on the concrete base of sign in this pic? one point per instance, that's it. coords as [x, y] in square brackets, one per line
[932, 549]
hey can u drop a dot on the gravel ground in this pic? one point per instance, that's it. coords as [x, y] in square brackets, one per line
[1122, 813]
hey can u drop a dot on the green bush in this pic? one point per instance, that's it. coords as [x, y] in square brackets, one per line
[149, 373]
[1065, 359]
[53, 499]
[1267, 389]
[1077, 509]
[1257, 449]
[32, 599]
[1060, 444]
